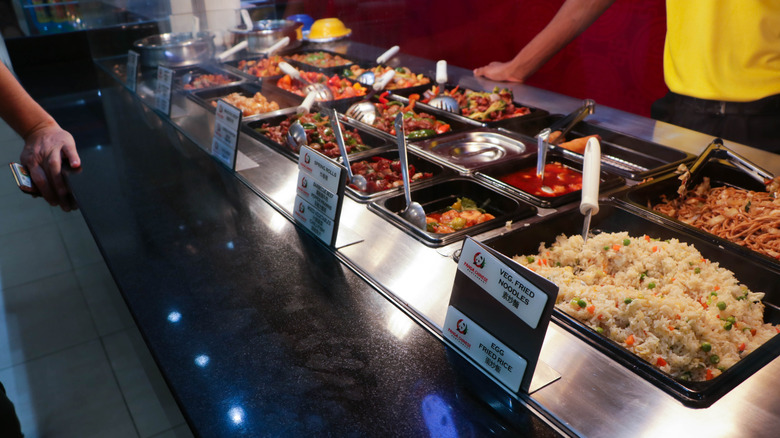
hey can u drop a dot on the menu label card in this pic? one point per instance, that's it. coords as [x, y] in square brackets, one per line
[163, 92]
[506, 306]
[495, 357]
[225, 141]
[319, 194]
[132, 69]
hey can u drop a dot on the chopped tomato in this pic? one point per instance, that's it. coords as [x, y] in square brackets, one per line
[630, 340]
[591, 309]
[660, 362]
[709, 374]
[741, 347]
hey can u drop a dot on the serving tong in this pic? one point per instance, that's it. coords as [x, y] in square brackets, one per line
[565, 124]
[718, 151]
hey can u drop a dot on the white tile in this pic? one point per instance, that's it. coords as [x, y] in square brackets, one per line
[106, 305]
[31, 255]
[79, 242]
[72, 393]
[42, 317]
[19, 211]
[151, 404]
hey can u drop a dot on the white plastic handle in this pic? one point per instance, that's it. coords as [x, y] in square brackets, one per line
[247, 19]
[290, 70]
[195, 25]
[384, 80]
[591, 176]
[277, 45]
[441, 72]
[383, 58]
[240, 46]
[305, 106]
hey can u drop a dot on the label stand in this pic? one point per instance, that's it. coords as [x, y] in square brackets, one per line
[319, 195]
[224, 143]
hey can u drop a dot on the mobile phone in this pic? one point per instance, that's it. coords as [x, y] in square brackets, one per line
[23, 180]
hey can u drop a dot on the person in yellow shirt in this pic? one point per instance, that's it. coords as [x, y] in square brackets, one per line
[721, 64]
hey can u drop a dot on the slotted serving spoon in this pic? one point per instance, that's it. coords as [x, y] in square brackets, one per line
[365, 111]
[591, 177]
[322, 91]
[358, 181]
[441, 100]
[414, 212]
[368, 78]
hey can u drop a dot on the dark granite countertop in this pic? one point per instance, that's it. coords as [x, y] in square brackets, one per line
[258, 329]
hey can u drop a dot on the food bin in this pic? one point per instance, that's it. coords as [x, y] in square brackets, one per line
[476, 148]
[209, 97]
[328, 70]
[371, 139]
[435, 196]
[194, 72]
[403, 91]
[627, 156]
[420, 164]
[612, 217]
[723, 168]
[494, 175]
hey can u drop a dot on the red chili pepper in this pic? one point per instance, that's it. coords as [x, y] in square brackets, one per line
[383, 97]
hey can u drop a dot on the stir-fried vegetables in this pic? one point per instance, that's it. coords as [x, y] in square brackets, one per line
[464, 213]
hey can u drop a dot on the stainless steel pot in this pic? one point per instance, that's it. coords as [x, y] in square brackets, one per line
[265, 33]
[175, 49]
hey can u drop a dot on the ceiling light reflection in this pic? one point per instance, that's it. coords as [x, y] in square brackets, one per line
[202, 360]
[236, 415]
[174, 316]
[399, 324]
[438, 417]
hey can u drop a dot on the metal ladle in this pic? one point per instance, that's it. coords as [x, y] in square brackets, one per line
[358, 181]
[323, 93]
[541, 158]
[368, 78]
[441, 100]
[414, 212]
[296, 136]
[365, 111]
[591, 177]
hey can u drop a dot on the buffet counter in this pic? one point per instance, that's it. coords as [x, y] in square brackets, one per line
[261, 330]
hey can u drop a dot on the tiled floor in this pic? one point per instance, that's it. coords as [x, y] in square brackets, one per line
[71, 358]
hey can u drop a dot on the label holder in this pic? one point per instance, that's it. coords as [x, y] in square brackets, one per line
[320, 189]
[224, 143]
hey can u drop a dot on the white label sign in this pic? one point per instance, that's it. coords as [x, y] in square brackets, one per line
[225, 141]
[516, 294]
[490, 353]
[326, 171]
[308, 216]
[163, 92]
[132, 69]
[312, 191]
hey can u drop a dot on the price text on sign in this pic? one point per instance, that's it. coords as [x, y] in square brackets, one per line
[163, 92]
[490, 353]
[226, 125]
[513, 291]
[319, 194]
[311, 219]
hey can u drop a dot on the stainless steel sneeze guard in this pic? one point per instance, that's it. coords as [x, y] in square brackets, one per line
[595, 395]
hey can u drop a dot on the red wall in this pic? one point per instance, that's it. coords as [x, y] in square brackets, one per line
[617, 61]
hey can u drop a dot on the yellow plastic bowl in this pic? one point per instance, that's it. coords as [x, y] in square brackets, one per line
[328, 28]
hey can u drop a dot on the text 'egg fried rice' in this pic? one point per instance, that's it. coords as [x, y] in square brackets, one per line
[661, 300]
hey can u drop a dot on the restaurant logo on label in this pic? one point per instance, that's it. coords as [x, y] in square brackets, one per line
[479, 260]
[301, 208]
[462, 327]
[306, 158]
[304, 182]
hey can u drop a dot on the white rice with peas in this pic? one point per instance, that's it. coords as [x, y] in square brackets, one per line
[661, 300]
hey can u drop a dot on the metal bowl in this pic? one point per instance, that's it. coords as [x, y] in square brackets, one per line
[175, 49]
[265, 33]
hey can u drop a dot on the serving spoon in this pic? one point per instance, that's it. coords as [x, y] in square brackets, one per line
[368, 78]
[541, 158]
[441, 100]
[591, 174]
[358, 181]
[414, 212]
[323, 93]
[365, 111]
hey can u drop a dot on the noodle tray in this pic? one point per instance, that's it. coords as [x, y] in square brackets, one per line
[746, 232]
[627, 156]
[615, 218]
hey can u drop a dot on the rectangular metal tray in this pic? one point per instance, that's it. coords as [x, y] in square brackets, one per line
[535, 112]
[420, 164]
[613, 217]
[405, 91]
[199, 70]
[370, 138]
[233, 66]
[207, 96]
[457, 124]
[492, 175]
[627, 156]
[717, 164]
[474, 149]
[330, 71]
[438, 195]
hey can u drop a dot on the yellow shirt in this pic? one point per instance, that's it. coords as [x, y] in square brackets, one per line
[723, 49]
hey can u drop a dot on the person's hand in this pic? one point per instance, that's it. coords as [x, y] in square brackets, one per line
[43, 154]
[499, 71]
